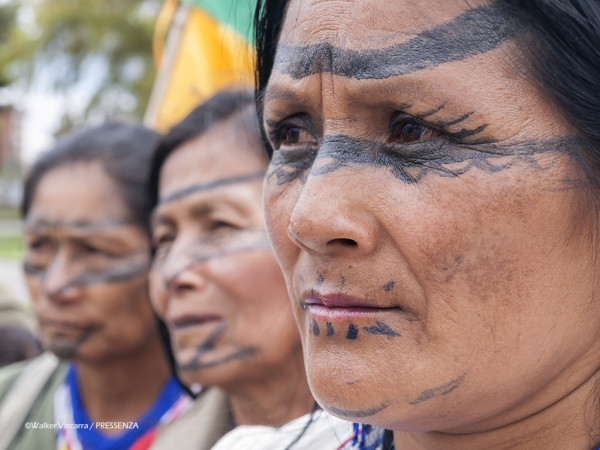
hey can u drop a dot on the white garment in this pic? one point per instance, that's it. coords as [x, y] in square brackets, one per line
[325, 432]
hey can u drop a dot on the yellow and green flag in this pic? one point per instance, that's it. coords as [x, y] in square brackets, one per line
[208, 47]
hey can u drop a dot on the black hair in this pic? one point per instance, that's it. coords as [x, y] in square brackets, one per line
[268, 20]
[125, 152]
[562, 56]
[219, 107]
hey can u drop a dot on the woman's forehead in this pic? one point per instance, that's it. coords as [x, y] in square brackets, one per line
[313, 20]
[375, 40]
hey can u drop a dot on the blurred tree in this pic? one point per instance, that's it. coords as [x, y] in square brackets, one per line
[7, 19]
[97, 53]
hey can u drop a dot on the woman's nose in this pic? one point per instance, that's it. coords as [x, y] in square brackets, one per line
[60, 281]
[186, 279]
[182, 271]
[332, 217]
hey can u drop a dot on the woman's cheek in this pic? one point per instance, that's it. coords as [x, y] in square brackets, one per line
[278, 210]
[158, 293]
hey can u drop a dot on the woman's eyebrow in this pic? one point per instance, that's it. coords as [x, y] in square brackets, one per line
[476, 31]
[38, 225]
[210, 186]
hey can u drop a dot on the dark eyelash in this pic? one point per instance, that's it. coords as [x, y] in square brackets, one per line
[441, 126]
[275, 128]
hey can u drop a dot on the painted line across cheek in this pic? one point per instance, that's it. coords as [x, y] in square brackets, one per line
[116, 274]
[410, 163]
[197, 254]
[444, 389]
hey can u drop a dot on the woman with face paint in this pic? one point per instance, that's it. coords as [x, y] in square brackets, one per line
[432, 199]
[217, 285]
[87, 257]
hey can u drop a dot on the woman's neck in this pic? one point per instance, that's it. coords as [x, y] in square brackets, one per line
[569, 423]
[274, 401]
[123, 388]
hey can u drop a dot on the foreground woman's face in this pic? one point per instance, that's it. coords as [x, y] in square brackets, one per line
[86, 266]
[216, 281]
[423, 209]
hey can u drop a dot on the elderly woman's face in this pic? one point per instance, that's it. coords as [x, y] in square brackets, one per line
[86, 264]
[215, 280]
[425, 212]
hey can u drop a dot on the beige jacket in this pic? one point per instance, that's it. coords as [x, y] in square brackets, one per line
[200, 427]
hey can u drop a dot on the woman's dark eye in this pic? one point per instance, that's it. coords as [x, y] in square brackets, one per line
[293, 136]
[38, 244]
[92, 249]
[162, 240]
[406, 132]
[218, 225]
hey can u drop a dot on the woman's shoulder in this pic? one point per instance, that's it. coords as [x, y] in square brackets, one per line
[43, 366]
[26, 394]
[316, 430]
[8, 375]
[207, 419]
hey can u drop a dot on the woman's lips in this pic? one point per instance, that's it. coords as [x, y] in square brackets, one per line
[340, 307]
[63, 327]
[184, 322]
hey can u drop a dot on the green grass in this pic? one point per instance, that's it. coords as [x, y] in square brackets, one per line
[11, 247]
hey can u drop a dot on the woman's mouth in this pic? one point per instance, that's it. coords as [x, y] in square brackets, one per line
[333, 307]
[59, 327]
[185, 322]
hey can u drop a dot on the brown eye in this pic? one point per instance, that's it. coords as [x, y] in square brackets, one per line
[293, 135]
[39, 244]
[406, 132]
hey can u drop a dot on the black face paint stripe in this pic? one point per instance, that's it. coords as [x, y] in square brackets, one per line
[411, 162]
[474, 32]
[382, 329]
[444, 389]
[315, 328]
[207, 345]
[197, 252]
[119, 272]
[330, 330]
[240, 354]
[358, 412]
[352, 333]
[389, 286]
[210, 186]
